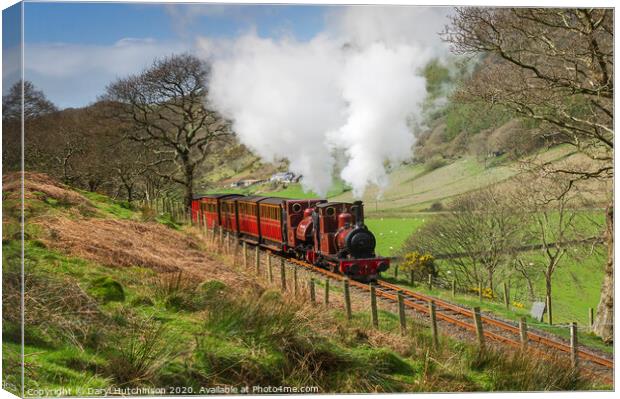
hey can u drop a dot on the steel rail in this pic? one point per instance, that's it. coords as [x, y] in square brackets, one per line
[503, 325]
[460, 310]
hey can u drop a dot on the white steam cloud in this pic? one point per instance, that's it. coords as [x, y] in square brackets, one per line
[350, 90]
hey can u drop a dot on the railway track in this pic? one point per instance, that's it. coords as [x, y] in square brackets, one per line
[499, 331]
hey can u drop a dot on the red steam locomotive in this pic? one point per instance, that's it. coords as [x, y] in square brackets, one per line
[327, 234]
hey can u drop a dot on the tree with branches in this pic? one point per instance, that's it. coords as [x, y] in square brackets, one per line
[164, 108]
[551, 221]
[35, 105]
[478, 235]
[553, 66]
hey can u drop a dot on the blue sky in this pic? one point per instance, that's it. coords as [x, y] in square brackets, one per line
[106, 23]
[72, 50]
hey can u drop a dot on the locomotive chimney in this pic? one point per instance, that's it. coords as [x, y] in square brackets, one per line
[359, 219]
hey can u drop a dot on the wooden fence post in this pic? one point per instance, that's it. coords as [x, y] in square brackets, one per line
[269, 268]
[478, 323]
[221, 243]
[523, 332]
[480, 291]
[245, 254]
[326, 291]
[312, 293]
[411, 278]
[549, 310]
[430, 281]
[347, 297]
[214, 235]
[573, 344]
[453, 288]
[396, 272]
[295, 284]
[401, 313]
[373, 306]
[257, 260]
[433, 313]
[591, 317]
[506, 296]
[282, 275]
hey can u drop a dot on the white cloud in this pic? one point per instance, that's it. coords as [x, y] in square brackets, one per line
[348, 92]
[73, 75]
[185, 16]
[11, 67]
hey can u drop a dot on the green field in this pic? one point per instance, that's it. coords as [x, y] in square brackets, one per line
[576, 288]
[391, 233]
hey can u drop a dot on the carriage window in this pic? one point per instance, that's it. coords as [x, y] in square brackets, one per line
[330, 211]
[296, 208]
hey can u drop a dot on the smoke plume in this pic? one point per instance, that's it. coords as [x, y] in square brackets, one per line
[352, 90]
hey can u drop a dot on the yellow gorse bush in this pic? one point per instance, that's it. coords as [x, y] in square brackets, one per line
[420, 265]
[417, 261]
[486, 292]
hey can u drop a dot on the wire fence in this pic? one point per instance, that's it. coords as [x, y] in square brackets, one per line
[510, 297]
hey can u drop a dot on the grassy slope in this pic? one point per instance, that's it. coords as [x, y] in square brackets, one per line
[250, 338]
[413, 189]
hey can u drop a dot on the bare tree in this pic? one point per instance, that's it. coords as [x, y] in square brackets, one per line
[550, 222]
[35, 102]
[35, 105]
[478, 235]
[554, 66]
[164, 107]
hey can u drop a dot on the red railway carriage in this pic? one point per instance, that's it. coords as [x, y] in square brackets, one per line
[247, 217]
[270, 219]
[228, 213]
[208, 207]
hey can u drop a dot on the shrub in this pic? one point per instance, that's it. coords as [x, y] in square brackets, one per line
[436, 207]
[57, 310]
[148, 214]
[520, 371]
[486, 292]
[179, 291]
[105, 289]
[138, 352]
[421, 265]
[435, 163]
[142, 300]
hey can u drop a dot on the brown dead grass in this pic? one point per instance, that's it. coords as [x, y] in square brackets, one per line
[111, 242]
[124, 243]
[40, 182]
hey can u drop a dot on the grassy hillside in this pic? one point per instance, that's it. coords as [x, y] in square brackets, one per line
[122, 298]
[414, 188]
